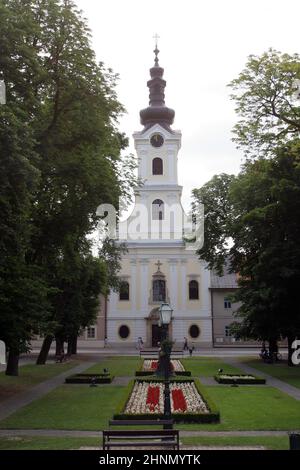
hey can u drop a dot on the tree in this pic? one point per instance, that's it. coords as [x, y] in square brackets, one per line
[23, 291]
[264, 224]
[264, 94]
[218, 211]
[66, 102]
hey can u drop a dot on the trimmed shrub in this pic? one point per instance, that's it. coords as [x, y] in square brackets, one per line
[87, 379]
[212, 417]
[231, 379]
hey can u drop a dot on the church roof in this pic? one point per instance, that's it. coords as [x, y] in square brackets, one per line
[157, 112]
[227, 281]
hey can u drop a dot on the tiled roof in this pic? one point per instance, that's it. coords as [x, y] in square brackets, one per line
[228, 281]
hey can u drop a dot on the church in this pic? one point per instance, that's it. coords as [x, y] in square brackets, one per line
[159, 266]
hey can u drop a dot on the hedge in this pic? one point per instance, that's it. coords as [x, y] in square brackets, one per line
[212, 417]
[144, 373]
[87, 379]
[242, 380]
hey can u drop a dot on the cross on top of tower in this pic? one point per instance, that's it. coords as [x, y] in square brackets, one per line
[156, 50]
[158, 264]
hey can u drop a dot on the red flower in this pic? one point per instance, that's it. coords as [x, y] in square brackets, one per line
[154, 365]
[153, 397]
[179, 402]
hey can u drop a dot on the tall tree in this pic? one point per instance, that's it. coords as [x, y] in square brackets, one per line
[264, 94]
[23, 291]
[69, 108]
[264, 226]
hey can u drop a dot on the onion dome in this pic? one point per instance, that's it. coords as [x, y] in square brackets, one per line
[157, 112]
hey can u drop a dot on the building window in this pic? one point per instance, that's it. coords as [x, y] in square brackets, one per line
[124, 331]
[194, 290]
[227, 331]
[159, 290]
[227, 303]
[158, 209]
[157, 166]
[124, 290]
[194, 331]
[91, 332]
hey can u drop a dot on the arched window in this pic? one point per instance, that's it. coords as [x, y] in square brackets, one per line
[193, 290]
[157, 166]
[158, 211]
[159, 290]
[124, 290]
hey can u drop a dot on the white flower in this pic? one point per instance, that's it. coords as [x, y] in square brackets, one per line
[137, 403]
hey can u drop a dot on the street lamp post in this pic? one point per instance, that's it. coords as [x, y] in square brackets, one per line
[165, 312]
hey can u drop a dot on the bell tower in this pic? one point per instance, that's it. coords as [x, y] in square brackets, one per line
[157, 147]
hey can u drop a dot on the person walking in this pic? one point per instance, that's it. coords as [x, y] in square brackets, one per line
[185, 344]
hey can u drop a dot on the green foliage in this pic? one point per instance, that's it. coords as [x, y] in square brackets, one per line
[61, 157]
[263, 223]
[263, 93]
[218, 212]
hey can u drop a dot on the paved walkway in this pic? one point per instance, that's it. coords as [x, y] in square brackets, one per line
[121, 380]
[12, 405]
[293, 392]
[63, 433]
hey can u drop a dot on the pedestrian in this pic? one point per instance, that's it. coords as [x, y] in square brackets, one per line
[191, 349]
[185, 344]
[105, 342]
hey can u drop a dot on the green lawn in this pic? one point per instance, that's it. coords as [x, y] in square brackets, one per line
[69, 407]
[252, 408]
[66, 443]
[48, 443]
[281, 371]
[208, 366]
[271, 443]
[30, 375]
[84, 408]
[118, 367]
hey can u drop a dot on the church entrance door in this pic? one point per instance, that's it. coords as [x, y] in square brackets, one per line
[155, 335]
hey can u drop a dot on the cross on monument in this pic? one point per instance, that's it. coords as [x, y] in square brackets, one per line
[158, 264]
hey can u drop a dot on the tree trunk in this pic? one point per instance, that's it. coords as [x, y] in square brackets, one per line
[43, 356]
[72, 345]
[290, 350]
[12, 367]
[273, 348]
[59, 346]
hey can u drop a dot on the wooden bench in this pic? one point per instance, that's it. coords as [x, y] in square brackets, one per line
[165, 438]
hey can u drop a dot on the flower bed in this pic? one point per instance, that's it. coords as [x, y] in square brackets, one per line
[189, 401]
[242, 379]
[87, 379]
[149, 367]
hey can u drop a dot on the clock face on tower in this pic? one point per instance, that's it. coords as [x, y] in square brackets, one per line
[157, 140]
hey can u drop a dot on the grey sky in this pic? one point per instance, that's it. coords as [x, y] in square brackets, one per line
[204, 45]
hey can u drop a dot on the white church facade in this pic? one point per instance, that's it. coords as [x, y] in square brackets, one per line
[158, 266]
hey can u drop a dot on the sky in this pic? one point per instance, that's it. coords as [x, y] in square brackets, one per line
[203, 46]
